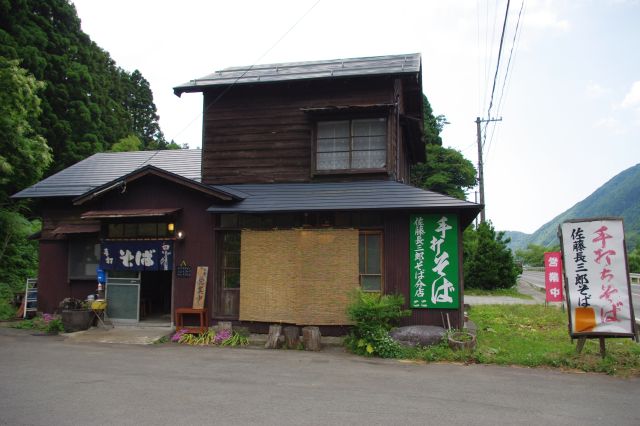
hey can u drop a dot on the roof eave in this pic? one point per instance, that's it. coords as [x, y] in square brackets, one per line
[152, 170]
[194, 87]
[467, 213]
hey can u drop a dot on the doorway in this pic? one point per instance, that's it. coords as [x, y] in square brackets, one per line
[155, 296]
[122, 293]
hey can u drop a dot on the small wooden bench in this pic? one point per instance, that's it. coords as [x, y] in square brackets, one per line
[203, 318]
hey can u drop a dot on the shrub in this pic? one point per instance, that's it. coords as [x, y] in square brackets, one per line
[488, 262]
[54, 326]
[48, 323]
[373, 316]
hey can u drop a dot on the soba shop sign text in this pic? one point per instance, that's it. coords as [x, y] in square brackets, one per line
[597, 284]
[433, 261]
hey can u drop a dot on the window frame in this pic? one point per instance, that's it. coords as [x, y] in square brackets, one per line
[131, 230]
[70, 260]
[224, 268]
[350, 119]
[380, 234]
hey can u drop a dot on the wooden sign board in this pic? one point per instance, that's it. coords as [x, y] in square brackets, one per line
[596, 278]
[201, 287]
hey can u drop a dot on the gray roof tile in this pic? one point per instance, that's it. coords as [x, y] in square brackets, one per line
[352, 67]
[106, 166]
[358, 195]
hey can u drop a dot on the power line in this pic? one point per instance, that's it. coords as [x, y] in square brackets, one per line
[212, 103]
[516, 34]
[507, 76]
[495, 77]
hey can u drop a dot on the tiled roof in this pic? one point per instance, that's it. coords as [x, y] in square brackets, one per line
[342, 196]
[106, 166]
[352, 67]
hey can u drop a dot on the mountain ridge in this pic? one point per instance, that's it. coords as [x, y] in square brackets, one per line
[618, 197]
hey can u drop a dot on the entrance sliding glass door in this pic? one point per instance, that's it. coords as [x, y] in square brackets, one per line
[123, 297]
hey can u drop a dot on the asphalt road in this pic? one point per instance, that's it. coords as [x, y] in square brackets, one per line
[537, 279]
[49, 381]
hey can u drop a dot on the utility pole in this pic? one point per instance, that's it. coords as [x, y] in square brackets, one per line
[480, 164]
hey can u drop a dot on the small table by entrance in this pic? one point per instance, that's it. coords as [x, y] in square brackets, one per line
[202, 317]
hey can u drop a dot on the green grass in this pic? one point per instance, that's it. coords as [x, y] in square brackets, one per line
[510, 292]
[534, 336]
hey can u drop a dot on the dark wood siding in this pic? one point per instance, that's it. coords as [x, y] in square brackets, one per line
[53, 271]
[257, 134]
[197, 249]
[396, 267]
[53, 285]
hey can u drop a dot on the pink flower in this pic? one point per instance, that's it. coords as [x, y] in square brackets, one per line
[178, 334]
[221, 336]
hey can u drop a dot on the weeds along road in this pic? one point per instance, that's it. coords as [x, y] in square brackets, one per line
[49, 381]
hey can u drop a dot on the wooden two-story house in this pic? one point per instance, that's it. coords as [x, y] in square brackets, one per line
[299, 195]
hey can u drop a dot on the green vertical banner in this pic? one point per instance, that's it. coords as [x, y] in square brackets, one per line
[433, 261]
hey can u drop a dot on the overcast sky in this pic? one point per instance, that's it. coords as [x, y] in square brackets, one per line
[570, 105]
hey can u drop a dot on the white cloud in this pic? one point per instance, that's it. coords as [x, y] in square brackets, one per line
[632, 99]
[610, 124]
[595, 91]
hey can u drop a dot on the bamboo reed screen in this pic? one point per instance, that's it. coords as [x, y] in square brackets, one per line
[298, 276]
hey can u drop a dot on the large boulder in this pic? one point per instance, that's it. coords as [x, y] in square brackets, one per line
[418, 335]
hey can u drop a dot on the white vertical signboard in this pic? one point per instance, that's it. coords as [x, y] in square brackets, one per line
[597, 282]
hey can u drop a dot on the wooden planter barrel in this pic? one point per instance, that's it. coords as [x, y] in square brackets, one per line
[76, 319]
[461, 340]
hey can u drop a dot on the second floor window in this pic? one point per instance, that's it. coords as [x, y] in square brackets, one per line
[351, 144]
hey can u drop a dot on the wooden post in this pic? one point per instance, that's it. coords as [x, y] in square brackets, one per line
[292, 336]
[581, 341]
[603, 349]
[311, 338]
[273, 340]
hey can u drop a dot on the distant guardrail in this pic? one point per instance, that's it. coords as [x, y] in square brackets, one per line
[633, 277]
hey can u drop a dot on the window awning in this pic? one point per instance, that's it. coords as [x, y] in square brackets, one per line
[126, 213]
[80, 228]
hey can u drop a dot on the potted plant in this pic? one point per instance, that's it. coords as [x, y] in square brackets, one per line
[75, 314]
[460, 340]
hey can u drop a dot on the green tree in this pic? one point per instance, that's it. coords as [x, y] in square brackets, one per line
[24, 154]
[143, 113]
[18, 256]
[89, 103]
[446, 170]
[634, 260]
[433, 125]
[488, 261]
[130, 143]
[533, 255]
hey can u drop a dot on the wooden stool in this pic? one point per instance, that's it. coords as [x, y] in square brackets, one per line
[202, 316]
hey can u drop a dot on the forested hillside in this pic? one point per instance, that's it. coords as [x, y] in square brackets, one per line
[88, 102]
[62, 99]
[619, 197]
